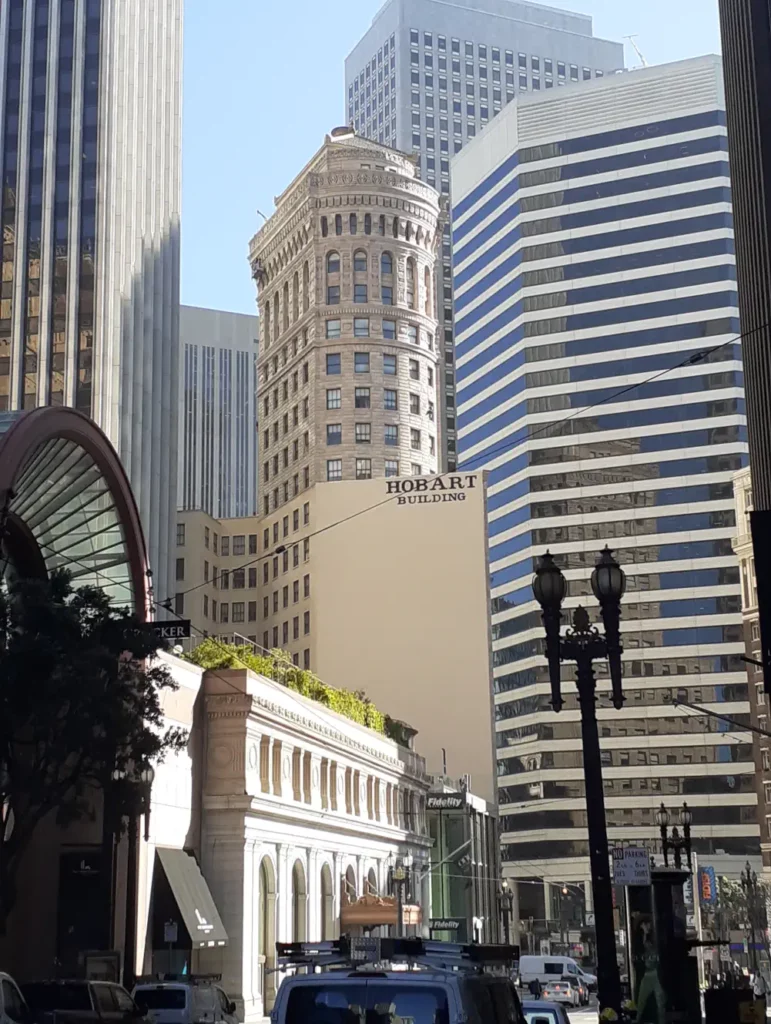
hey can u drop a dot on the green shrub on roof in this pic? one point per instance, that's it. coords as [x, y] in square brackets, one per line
[213, 654]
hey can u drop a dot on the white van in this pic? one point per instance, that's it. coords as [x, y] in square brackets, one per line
[185, 1002]
[552, 968]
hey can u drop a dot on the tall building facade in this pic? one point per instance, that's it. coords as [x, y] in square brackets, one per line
[746, 31]
[348, 365]
[90, 116]
[600, 383]
[759, 699]
[218, 412]
[428, 75]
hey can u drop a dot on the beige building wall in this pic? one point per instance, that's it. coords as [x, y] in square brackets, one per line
[377, 585]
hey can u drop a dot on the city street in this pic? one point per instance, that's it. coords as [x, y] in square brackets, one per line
[588, 1015]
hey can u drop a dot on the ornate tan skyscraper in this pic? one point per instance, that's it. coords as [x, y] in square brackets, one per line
[348, 349]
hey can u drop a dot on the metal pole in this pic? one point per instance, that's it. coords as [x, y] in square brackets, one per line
[608, 980]
[129, 953]
[400, 908]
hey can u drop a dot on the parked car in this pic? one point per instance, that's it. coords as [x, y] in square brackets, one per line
[190, 1001]
[562, 992]
[538, 1011]
[81, 1002]
[13, 1006]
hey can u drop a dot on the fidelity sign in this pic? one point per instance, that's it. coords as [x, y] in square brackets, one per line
[445, 801]
[427, 490]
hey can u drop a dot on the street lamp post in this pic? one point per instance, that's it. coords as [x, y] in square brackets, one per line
[505, 905]
[583, 644]
[135, 788]
[399, 876]
[749, 880]
[677, 843]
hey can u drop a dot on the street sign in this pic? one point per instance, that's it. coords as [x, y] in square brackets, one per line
[631, 866]
[179, 630]
[170, 932]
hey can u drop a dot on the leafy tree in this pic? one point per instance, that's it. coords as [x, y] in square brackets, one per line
[78, 699]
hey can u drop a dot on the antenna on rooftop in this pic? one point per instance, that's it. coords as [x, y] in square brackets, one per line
[637, 50]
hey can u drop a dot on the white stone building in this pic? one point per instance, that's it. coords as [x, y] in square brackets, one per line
[303, 813]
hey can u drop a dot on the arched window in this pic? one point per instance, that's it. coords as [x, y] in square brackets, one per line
[295, 296]
[411, 283]
[381, 225]
[286, 305]
[396, 227]
[299, 903]
[266, 325]
[408, 231]
[324, 227]
[306, 287]
[266, 936]
[333, 262]
[349, 884]
[338, 224]
[427, 286]
[276, 316]
[360, 261]
[367, 224]
[372, 886]
[352, 223]
[327, 905]
[386, 263]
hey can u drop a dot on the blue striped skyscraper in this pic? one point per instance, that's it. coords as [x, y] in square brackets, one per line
[593, 250]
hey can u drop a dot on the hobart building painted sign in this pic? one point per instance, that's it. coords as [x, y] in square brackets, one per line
[428, 490]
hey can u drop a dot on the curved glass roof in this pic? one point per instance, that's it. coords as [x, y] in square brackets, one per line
[65, 501]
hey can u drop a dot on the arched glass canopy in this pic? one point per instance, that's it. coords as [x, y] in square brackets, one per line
[67, 503]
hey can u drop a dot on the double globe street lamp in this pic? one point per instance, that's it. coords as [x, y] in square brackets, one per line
[584, 644]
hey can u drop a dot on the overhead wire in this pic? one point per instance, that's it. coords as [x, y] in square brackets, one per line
[691, 360]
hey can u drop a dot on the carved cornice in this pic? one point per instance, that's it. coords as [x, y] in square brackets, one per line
[335, 179]
[227, 706]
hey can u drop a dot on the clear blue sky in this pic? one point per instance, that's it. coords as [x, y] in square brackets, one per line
[264, 83]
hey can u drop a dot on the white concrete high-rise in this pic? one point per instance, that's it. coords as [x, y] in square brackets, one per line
[428, 75]
[600, 383]
[90, 121]
[218, 412]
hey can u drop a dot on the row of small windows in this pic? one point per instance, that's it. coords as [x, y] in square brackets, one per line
[286, 306]
[361, 364]
[363, 468]
[363, 400]
[361, 289]
[536, 65]
[361, 329]
[363, 435]
[383, 226]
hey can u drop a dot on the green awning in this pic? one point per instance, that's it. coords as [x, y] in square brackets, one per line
[195, 901]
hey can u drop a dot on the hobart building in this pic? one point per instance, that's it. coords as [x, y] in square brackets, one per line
[348, 363]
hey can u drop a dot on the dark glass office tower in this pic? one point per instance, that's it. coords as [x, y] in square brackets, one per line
[746, 31]
[90, 103]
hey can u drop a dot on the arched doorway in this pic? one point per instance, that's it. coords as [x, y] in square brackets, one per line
[299, 903]
[327, 905]
[372, 886]
[267, 934]
[349, 884]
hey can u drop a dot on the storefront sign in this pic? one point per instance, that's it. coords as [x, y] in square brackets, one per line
[179, 630]
[428, 490]
[444, 924]
[445, 801]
